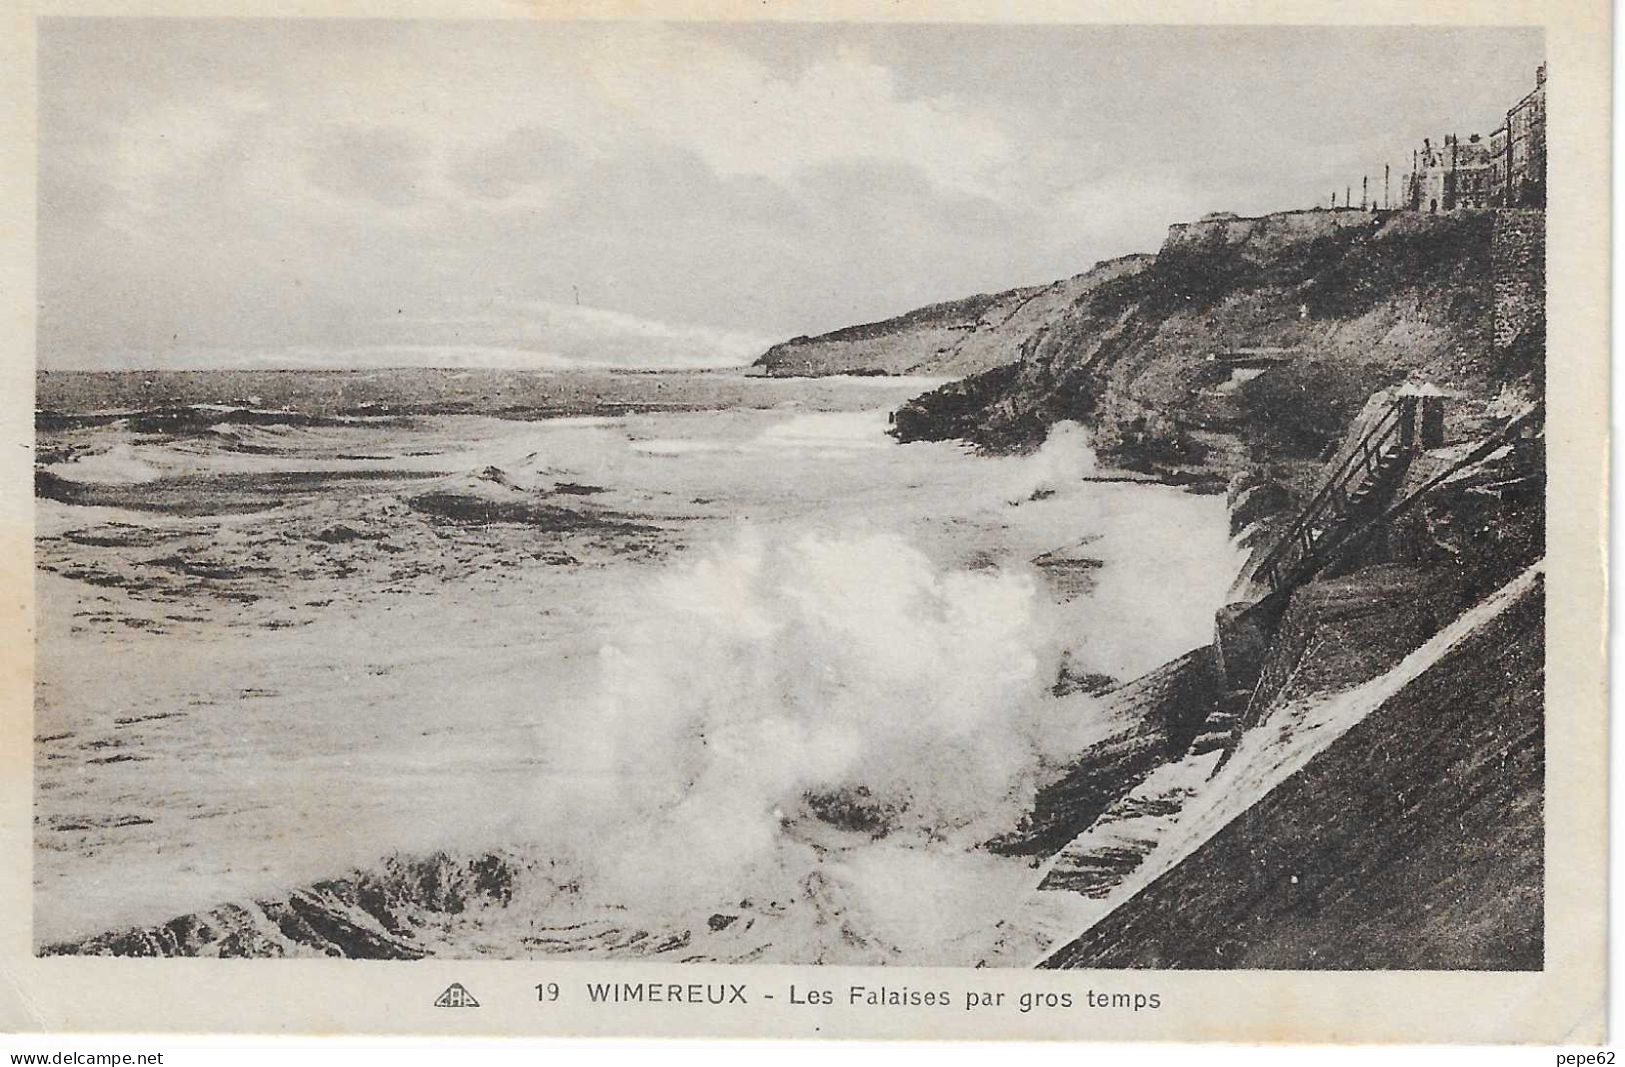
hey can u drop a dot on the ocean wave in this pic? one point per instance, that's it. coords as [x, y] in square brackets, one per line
[202, 495]
[496, 495]
[122, 463]
[663, 446]
[183, 419]
[827, 431]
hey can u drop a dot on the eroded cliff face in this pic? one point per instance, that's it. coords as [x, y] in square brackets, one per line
[1250, 342]
[951, 339]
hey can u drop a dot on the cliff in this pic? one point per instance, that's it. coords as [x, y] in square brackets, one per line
[1370, 795]
[951, 339]
[1356, 781]
[1249, 342]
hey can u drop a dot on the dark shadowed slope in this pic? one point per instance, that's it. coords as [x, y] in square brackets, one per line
[1413, 841]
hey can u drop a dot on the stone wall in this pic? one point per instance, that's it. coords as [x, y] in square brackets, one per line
[1264, 234]
[1518, 265]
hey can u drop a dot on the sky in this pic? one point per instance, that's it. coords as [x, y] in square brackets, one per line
[338, 193]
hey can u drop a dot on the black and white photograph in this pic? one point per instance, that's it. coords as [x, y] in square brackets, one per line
[839, 494]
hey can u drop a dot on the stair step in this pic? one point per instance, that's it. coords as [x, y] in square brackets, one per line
[1371, 468]
[1209, 742]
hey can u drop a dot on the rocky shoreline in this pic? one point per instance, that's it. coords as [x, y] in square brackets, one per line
[1371, 795]
[1241, 344]
[1240, 358]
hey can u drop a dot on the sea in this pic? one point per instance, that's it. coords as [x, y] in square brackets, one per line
[699, 644]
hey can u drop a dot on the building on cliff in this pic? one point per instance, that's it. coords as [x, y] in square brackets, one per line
[1520, 165]
[1454, 174]
[1508, 170]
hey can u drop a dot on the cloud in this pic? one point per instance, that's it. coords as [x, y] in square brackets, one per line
[744, 118]
[520, 160]
[322, 357]
[383, 164]
[618, 339]
[581, 336]
[225, 185]
[532, 335]
[304, 190]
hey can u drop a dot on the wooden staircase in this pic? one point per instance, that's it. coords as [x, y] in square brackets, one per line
[1362, 479]
[1357, 500]
[1350, 498]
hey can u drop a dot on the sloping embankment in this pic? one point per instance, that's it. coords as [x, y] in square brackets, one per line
[1412, 839]
[949, 339]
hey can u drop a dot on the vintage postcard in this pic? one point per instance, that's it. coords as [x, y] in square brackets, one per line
[843, 520]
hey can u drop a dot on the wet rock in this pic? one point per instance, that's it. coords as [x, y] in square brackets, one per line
[340, 534]
[852, 809]
[380, 914]
[1072, 679]
[1152, 719]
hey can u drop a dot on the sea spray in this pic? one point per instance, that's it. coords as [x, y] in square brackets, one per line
[1065, 458]
[469, 728]
[774, 674]
[823, 727]
[1164, 560]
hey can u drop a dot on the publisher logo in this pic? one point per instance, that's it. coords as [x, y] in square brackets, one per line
[456, 996]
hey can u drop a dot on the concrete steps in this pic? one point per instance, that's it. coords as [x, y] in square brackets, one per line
[1219, 730]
